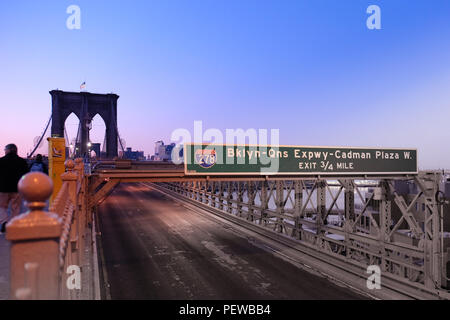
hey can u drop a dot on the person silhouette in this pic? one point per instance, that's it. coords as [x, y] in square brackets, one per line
[12, 168]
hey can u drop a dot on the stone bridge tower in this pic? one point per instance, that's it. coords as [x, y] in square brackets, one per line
[85, 106]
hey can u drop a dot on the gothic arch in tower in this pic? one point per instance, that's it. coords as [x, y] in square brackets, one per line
[85, 106]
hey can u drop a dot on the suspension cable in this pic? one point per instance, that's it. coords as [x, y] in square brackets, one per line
[40, 139]
[66, 135]
[118, 135]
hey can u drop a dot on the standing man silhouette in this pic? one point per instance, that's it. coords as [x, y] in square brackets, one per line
[12, 168]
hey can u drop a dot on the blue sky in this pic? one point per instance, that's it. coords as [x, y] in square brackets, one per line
[309, 68]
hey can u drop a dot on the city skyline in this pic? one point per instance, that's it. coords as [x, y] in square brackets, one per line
[311, 69]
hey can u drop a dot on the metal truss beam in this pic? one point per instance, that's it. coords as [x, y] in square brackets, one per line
[343, 218]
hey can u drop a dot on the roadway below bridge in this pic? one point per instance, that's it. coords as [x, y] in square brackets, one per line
[153, 247]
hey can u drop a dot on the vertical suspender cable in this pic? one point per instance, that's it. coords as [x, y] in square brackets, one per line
[40, 139]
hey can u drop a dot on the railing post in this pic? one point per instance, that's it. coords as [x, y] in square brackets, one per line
[321, 206]
[34, 238]
[298, 205]
[213, 194]
[264, 203]
[230, 197]
[71, 178]
[77, 228]
[385, 224]
[279, 202]
[251, 200]
[240, 199]
[82, 206]
[221, 183]
[79, 167]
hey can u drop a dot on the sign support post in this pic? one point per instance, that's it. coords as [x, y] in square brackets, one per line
[56, 159]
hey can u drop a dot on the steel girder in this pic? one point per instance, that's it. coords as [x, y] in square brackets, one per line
[364, 223]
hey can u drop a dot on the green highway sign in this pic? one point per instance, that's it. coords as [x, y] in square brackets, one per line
[214, 159]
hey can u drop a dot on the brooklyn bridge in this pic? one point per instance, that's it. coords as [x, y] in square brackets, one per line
[326, 223]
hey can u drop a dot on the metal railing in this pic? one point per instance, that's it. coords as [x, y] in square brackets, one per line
[349, 223]
[51, 251]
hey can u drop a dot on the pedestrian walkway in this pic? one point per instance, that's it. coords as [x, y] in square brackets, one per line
[5, 259]
[4, 268]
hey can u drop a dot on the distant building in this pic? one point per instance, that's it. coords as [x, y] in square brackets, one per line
[163, 152]
[158, 145]
[134, 155]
